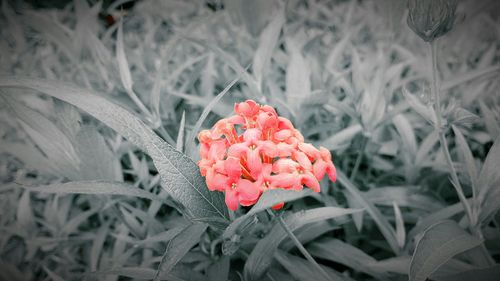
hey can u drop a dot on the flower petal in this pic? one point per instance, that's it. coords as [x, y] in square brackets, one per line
[232, 167]
[285, 165]
[237, 150]
[325, 154]
[284, 123]
[247, 108]
[278, 206]
[310, 181]
[205, 136]
[252, 136]
[332, 172]
[231, 199]
[319, 169]
[254, 162]
[285, 180]
[303, 160]
[282, 135]
[248, 192]
[217, 150]
[311, 151]
[216, 181]
[267, 120]
[284, 149]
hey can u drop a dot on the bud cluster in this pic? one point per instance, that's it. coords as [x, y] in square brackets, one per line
[431, 19]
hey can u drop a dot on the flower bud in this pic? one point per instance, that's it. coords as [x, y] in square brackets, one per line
[431, 19]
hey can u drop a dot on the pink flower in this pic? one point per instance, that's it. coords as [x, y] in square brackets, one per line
[268, 154]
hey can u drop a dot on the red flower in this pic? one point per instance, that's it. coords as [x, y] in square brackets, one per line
[269, 154]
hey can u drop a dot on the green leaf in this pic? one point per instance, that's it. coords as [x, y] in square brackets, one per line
[219, 271]
[179, 246]
[180, 175]
[340, 252]
[52, 275]
[489, 183]
[266, 201]
[491, 123]
[262, 254]
[342, 137]
[385, 228]
[466, 156]
[469, 76]
[302, 270]
[438, 215]
[253, 14]
[406, 132]
[30, 156]
[439, 244]
[180, 136]
[399, 264]
[309, 233]
[267, 44]
[48, 137]
[162, 237]
[426, 147]
[72, 224]
[97, 160]
[121, 58]
[298, 76]
[93, 187]
[425, 111]
[400, 225]
[141, 273]
[97, 246]
[25, 217]
[336, 52]
[230, 60]
[204, 114]
[358, 217]
[404, 196]
[481, 274]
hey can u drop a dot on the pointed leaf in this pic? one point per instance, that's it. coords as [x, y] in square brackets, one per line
[179, 246]
[219, 271]
[180, 175]
[438, 245]
[93, 187]
[385, 228]
[262, 254]
[180, 136]
[302, 270]
[267, 44]
[400, 225]
[481, 274]
[466, 156]
[121, 58]
[342, 137]
[340, 252]
[208, 108]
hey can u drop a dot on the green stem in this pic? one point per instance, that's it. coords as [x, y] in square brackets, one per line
[299, 245]
[442, 134]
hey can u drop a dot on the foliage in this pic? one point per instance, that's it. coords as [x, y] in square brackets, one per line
[101, 104]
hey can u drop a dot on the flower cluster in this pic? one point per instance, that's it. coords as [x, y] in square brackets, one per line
[256, 150]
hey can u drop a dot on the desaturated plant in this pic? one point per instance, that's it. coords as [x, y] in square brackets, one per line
[250, 140]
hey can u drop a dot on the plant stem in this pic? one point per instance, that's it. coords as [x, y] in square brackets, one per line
[299, 245]
[442, 134]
